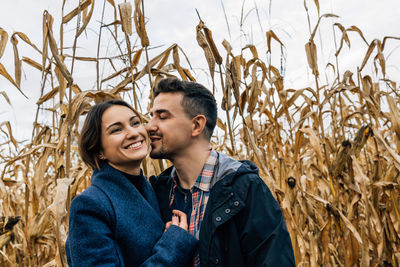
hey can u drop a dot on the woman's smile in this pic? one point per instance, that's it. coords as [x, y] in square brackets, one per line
[135, 145]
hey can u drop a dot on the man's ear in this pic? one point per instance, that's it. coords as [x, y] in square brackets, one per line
[198, 124]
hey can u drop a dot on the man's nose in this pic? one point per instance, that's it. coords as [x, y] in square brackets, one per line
[150, 126]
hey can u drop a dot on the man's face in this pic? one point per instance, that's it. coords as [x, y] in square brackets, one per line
[170, 129]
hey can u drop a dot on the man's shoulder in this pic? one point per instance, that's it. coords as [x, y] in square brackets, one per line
[233, 171]
[245, 179]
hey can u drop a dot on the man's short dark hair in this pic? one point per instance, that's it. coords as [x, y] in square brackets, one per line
[196, 100]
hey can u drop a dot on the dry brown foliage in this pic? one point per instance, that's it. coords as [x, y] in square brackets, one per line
[330, 154]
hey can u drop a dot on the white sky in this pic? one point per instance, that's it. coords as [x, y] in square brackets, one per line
[174, 21]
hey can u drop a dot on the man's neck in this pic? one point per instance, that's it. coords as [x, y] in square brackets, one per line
[189, 164]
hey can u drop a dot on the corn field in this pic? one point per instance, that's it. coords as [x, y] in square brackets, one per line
[329, 152]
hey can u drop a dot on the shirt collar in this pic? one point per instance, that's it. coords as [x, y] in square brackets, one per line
[205, 177]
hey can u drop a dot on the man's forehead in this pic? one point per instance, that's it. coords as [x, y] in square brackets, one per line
[169, 95]
[167, 101]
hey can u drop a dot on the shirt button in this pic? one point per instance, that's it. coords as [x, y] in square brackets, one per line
[227, 211]
[216, 261]
[236, 203]
[218, 219]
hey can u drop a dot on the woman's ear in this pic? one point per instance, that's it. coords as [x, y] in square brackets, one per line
[198, 124]
[101, 156]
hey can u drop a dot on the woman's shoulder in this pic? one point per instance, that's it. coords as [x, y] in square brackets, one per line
[92, 196]
[92, 203]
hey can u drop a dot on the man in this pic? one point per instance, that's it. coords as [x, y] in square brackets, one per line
[229, 208]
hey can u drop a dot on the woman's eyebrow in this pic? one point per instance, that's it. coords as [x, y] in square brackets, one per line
[118, 123]
[133, 117]
[114, 124]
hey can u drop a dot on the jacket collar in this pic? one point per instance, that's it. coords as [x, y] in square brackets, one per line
[114, 182]
[225, 166]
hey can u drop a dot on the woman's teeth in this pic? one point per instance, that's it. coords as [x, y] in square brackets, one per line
[135, 145]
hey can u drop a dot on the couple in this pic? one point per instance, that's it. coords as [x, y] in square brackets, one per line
[206, 210]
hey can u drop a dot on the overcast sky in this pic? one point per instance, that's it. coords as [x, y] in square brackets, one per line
[174, 21]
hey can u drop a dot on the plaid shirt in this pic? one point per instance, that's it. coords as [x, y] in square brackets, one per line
[200, 192]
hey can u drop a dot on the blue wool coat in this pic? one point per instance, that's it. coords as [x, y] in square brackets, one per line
[112, 224]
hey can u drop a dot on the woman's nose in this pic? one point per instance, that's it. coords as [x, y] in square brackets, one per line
[132, 132]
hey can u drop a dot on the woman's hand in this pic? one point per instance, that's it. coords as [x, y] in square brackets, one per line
[179, 218]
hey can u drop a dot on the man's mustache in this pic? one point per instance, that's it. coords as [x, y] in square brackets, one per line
[155, 134]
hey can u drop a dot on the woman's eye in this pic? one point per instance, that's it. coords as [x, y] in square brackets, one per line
[115, 130]
[135, 122]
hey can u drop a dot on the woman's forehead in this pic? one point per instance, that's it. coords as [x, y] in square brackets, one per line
[118, 113]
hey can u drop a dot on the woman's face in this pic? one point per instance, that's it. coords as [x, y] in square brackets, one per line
[124, 139]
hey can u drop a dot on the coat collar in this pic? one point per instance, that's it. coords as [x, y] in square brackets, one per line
[114, 182]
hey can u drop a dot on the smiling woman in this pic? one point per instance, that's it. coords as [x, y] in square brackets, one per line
[124, 139]
[116, 221]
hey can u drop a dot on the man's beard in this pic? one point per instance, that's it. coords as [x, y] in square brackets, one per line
[160, 154]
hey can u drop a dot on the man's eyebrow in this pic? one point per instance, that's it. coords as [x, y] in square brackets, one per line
[118, 123]
[160, 111]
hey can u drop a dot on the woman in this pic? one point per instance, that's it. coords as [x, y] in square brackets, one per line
[116, 220]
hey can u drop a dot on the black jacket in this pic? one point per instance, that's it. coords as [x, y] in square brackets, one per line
[243, 224]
